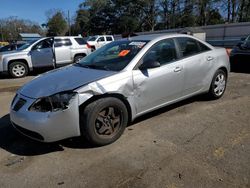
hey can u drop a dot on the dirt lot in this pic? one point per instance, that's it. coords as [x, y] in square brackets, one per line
[195, 143]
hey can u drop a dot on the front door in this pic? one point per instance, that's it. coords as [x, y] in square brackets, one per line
[42, 54]
[157, 86]
[100, 42]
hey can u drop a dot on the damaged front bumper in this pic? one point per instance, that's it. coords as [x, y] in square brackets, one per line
[45, 126]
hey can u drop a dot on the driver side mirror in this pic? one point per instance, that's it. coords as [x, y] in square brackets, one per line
[245, 45]
[149, 64]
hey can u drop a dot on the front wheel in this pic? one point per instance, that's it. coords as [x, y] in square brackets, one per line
[218, 85]
[18, 69]
[104, 120]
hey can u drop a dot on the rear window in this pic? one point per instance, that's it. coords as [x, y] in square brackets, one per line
[203, 47]
[80, 41]
[188, 46]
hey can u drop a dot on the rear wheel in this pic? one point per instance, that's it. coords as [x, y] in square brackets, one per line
[218, 85]
[18, 69]
[104, 121]
[78, 58]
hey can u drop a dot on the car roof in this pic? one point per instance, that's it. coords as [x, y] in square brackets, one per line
[158, 36]
[66, 37]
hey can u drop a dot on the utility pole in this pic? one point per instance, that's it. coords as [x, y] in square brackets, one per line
[69, 24]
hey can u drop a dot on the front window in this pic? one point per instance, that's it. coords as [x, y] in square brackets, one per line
[101, 39]
[26, 45]
[163, 52]
[114, 56]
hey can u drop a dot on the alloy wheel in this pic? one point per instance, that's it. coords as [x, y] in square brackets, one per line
[18, 70]
[219, 84]
[108, 122]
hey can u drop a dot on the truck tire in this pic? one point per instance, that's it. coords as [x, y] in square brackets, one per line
[18, 69]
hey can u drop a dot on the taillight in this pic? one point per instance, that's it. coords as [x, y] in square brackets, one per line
[88, 45]
[228, 51]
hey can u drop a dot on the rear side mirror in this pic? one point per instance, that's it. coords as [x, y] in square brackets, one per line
[149, 64]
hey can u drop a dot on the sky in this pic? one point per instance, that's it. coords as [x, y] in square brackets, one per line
[35, 10]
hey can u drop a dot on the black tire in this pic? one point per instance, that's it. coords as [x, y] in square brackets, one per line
[97, 127]
[92, 48]
[78, 58]
[213, 94]
[18, 69]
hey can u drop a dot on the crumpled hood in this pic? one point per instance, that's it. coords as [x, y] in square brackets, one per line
[63, 79]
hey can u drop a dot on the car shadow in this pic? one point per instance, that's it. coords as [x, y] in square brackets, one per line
[15, 143]
[199, 98]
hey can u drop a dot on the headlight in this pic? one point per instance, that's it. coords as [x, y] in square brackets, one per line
[59, 101]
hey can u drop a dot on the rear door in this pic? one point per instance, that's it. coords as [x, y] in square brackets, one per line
[157, 86]
[42, 54]
[197, 63]
[63, 50]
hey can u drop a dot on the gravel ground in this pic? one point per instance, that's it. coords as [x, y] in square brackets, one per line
[194, 143]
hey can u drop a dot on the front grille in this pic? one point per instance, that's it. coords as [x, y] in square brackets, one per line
[19, 104]
[29, 133]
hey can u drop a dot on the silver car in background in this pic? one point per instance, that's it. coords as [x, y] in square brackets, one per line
[46, 52]
[98, 96]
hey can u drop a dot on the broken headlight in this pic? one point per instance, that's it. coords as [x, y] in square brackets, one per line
[59, 101]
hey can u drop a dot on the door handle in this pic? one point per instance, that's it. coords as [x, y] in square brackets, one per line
[177, 69]
[209, 58]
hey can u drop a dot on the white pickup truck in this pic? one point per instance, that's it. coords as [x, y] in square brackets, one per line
[45, 52]
[98, 41]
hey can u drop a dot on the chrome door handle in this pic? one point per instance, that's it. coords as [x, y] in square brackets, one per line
[177, 69]
[209, 58]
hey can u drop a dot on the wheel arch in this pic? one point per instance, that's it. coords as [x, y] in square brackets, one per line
[119, 96]
[224, 69]
[19, 60]
[80, 54]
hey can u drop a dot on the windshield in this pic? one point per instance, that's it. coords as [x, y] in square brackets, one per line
[92, 39]
[114, 56]
[26, 45]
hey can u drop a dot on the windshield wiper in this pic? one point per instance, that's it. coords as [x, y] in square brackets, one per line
[93, 66]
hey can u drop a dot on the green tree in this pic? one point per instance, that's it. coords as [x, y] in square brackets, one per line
[57, 24]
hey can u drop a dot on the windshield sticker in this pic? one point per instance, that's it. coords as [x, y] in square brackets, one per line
[139, 44]
[123, 53]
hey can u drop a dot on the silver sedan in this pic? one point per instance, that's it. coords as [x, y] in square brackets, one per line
[98, 96]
